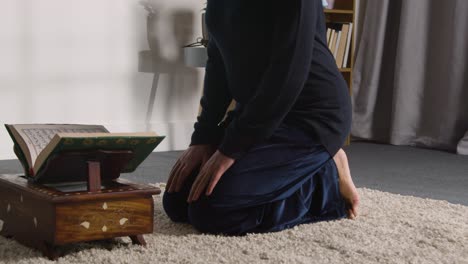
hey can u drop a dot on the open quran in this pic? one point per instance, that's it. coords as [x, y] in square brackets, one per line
[36, 143]
[71, 191]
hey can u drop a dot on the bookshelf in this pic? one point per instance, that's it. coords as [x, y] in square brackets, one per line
[344, 11]
[338, 11]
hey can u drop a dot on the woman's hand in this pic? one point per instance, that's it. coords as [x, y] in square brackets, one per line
[209, 175]
[194, 157]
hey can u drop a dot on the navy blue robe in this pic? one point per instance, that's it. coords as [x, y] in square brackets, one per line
[284, 181]
[272, 57]
[293, 114]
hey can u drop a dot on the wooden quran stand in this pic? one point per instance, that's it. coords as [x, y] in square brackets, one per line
[55, 209]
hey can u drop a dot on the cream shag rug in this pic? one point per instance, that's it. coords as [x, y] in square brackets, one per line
[390, 229]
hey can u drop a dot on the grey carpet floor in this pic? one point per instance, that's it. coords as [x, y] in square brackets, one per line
[395, 169]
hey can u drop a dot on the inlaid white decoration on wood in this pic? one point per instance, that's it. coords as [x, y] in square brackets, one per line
[1, 224]
[104, 228]
[123, 221]
[85, 224]
[8, 209]
[35, 221]
[104, 206]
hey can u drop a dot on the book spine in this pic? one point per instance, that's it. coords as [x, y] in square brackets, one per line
[19, 153]
[348, 46]
[342, 46]
[335, 48]
[27, 170]
[332, 38]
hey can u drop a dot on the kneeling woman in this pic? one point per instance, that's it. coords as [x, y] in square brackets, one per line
[276, 161]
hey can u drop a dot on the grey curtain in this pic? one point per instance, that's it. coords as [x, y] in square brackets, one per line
[410, 82]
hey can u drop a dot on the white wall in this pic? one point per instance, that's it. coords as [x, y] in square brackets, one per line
[76, 61]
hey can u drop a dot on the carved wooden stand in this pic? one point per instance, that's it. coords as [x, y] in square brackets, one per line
[47, 213]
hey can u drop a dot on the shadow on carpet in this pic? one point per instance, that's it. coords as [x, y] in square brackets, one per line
[391, 229]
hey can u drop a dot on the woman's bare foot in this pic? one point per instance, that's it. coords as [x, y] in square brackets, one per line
[347, 188]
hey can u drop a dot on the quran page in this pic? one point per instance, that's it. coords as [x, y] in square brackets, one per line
[37, 136]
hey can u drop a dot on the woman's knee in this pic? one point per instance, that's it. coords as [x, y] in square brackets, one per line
[203, 216]
[209, 218]
[175, 206]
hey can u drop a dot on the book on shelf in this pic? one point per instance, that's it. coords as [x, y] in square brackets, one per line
[340, 54]
[339, 42]
[35, 144]
[333, 42]
[348, 46]
[331, 39]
